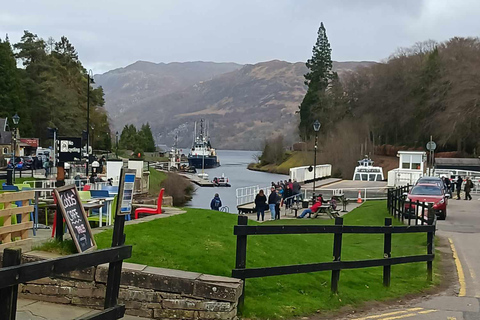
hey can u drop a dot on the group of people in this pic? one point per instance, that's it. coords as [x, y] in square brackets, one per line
[450, 186]
[282, 192]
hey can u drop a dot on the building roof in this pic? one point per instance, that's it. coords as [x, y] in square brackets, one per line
[469, 162]
[5, 137]
[3, 124]
[411, 152]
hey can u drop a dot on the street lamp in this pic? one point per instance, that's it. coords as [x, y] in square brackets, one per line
[316, 128]
[116, 144]
[89, 81]
[16, 120]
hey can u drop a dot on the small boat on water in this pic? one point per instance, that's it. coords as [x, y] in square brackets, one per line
[203, 176]
[221, 181]
[365, 171]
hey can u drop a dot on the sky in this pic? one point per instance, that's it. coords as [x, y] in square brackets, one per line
[109, 34]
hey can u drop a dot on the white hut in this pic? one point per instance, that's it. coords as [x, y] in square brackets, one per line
[412, 166]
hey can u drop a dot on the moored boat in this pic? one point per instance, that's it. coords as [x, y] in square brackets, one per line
[202, 155]
[365, 171]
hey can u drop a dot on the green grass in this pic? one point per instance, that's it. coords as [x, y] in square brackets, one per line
[203, 241]
[156, 178]
[19, 180]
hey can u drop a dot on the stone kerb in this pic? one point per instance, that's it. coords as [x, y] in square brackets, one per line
[156, 293]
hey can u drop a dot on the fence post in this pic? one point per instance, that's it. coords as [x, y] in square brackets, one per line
[430, 239]
[337, 253]
[241, 258]
[409, 211]
[423, 213]
[115, 268]
[416, 212]
[59, 223]
[8, 295]
[387, 253]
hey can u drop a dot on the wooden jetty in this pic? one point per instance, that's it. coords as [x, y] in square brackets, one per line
[197, 180]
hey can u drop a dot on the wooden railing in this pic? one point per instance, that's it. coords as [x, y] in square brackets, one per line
[15, 234]
[242, 230]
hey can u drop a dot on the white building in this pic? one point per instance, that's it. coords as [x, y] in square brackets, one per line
[411, 167]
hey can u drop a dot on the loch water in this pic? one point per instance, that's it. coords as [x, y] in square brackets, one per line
[233, 164]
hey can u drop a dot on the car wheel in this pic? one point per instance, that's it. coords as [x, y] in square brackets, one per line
[443, 215]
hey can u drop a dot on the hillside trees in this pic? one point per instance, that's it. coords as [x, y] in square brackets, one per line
[51, 91]
[139, 141]
[429, 89]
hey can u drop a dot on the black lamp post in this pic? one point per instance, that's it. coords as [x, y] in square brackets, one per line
[16, 120]
[116, 144]
[89, 81]
[316, 127]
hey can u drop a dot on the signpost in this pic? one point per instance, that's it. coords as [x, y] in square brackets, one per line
[125, 191]
[72, 210]
[69, 149]
[431, 146]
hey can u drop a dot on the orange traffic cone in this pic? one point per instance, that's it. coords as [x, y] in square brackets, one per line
[359, 199]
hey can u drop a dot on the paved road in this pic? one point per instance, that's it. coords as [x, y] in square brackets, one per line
[462, 228]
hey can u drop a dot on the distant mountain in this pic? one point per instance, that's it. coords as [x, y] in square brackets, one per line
[243, 105]
[125, 87]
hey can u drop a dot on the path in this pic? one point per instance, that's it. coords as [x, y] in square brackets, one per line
[39, 310]
[462, 229]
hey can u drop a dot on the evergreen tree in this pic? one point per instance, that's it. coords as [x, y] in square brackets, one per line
[146, 137]
[317, 79]
[12, 95]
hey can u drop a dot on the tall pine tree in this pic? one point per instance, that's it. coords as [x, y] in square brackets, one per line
[317, 79]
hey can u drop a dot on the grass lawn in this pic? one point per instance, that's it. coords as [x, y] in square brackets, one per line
[203, 241]
[18, 180]
[156, 178]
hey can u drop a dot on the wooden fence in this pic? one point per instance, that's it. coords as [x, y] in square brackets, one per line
[242, 231]
[15, 234]
[414, 212]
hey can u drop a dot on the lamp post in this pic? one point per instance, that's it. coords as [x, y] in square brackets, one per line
[16, 120]
[89, 81]
[316, 128]
[116, 144]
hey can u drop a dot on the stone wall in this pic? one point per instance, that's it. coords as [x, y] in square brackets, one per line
[150, 292]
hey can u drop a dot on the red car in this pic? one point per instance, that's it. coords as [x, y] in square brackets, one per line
[429, 193]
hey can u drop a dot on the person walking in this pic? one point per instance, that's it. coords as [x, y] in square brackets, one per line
[46, 166]
[272, 201]
[287, 197]
[468, 187]
[459, 186]
[260, 204]
[296, 190]
[216, 203]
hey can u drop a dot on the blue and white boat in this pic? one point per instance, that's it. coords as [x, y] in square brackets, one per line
[202, 155]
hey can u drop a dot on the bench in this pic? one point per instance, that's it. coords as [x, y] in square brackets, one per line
[327, 209]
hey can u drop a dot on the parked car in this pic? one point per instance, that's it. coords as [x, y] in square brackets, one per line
[18, 163]
[428, 193]
[27, 163]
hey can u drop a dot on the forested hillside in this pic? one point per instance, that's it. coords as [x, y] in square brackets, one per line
[50, 90]
[428, 89]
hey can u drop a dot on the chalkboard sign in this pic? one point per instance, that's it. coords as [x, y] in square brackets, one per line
[73, 212]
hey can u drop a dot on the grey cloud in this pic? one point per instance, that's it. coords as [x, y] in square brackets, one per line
[110, 34]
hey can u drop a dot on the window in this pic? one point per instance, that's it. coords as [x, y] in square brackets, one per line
[406, 161]
[357, 176]
[371, 177]
[364, 177]
[416, 161]
[5, 150]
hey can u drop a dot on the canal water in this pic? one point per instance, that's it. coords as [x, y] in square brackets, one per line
[234, 165]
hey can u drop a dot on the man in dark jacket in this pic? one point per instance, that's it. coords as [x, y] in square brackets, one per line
[459, 186]
[468, 187]
[287, 197]
[272, 201]
[216, 203]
